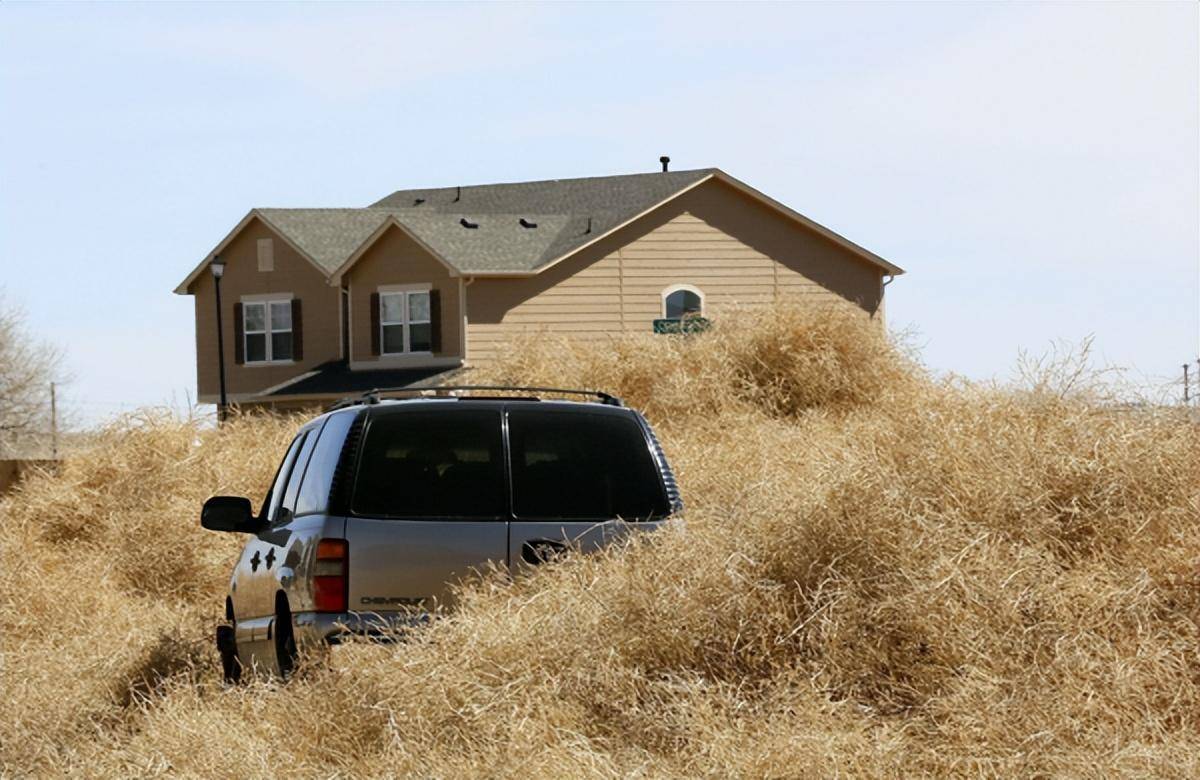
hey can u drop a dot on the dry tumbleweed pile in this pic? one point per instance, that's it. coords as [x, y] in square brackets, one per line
[880, 574]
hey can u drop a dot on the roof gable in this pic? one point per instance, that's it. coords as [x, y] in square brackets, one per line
[818, 228]
[254, 214]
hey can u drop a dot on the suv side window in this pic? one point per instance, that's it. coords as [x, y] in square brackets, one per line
[287, 510]
[318, 478]
[275, 497]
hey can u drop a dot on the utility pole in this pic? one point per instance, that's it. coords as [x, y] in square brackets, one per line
[53, 424]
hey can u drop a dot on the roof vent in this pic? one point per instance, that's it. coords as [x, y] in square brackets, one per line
[526, 223]
[589, 227]
[457, 194]
[665, 161]
[468, 224]
[418, 201]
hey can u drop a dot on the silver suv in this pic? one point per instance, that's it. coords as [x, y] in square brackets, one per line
[380, 506]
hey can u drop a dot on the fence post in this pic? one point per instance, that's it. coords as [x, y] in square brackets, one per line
[53, 424]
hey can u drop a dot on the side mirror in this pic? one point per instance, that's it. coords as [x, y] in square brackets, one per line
[229, 513]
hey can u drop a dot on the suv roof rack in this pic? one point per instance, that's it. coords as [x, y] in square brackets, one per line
[372, 396]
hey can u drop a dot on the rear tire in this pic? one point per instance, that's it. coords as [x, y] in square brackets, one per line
[285, 640]
[231, 666]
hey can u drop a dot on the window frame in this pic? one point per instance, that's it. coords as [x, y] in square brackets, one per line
[675, 288]
[266, 302]
[406, 292]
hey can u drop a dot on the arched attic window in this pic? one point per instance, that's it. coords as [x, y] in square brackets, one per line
[681, 300]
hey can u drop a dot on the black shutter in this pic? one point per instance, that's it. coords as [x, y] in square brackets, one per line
[239, 340]
[375, 324]
[297, 331]
[435, 322]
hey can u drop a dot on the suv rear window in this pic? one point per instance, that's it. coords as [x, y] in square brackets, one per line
[578, 465]
[432, 464]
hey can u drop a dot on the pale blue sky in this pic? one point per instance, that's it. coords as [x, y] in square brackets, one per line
[1034, 167]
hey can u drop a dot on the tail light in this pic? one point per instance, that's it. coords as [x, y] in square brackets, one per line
[330, 580]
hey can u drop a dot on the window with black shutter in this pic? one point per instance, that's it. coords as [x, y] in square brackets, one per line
[267, 330]
[406, 321]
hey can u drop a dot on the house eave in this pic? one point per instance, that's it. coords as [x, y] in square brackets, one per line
[746, 189]
[837, 238]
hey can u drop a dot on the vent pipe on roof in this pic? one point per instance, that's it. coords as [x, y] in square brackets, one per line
[526, 223]
[589, 227]
[468, 224]
[665, 161]
[457, 194]
[418, 201]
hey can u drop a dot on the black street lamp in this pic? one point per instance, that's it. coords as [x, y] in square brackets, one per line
[218, 270]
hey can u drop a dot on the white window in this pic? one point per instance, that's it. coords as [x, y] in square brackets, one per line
[404, 322]
[266, 254]
[682, 300]
[267, 329]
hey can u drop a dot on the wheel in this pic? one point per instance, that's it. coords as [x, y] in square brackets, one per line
[285, 640]
[231, 667]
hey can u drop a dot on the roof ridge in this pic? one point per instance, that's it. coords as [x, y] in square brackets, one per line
[320, 208]
[556, 181]
[406, 210]
[416, 211]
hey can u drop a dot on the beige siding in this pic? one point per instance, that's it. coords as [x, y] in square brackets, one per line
[734, 249]
[687, 250]
[293, 274]
[586, 304]
[397, 259]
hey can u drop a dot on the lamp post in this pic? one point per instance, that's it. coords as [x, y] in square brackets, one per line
[217, 266]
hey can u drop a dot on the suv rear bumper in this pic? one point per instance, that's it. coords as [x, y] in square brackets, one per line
[333, 628]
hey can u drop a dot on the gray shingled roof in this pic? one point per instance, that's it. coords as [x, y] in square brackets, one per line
[517, 228]
[630, 193]
[329, 236]
[567, 213]
[499, 242]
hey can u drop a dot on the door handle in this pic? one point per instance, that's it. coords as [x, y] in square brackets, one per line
[537, 551]
[254, 561]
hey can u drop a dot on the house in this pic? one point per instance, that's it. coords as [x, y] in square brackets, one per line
[319, 303]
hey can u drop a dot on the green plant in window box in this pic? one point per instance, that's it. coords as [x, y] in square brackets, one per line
[685, 324]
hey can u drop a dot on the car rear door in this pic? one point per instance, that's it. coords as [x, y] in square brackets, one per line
[428, 504]
[581, 477]
[253, 582]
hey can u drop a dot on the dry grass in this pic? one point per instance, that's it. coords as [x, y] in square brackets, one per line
[880, 575]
